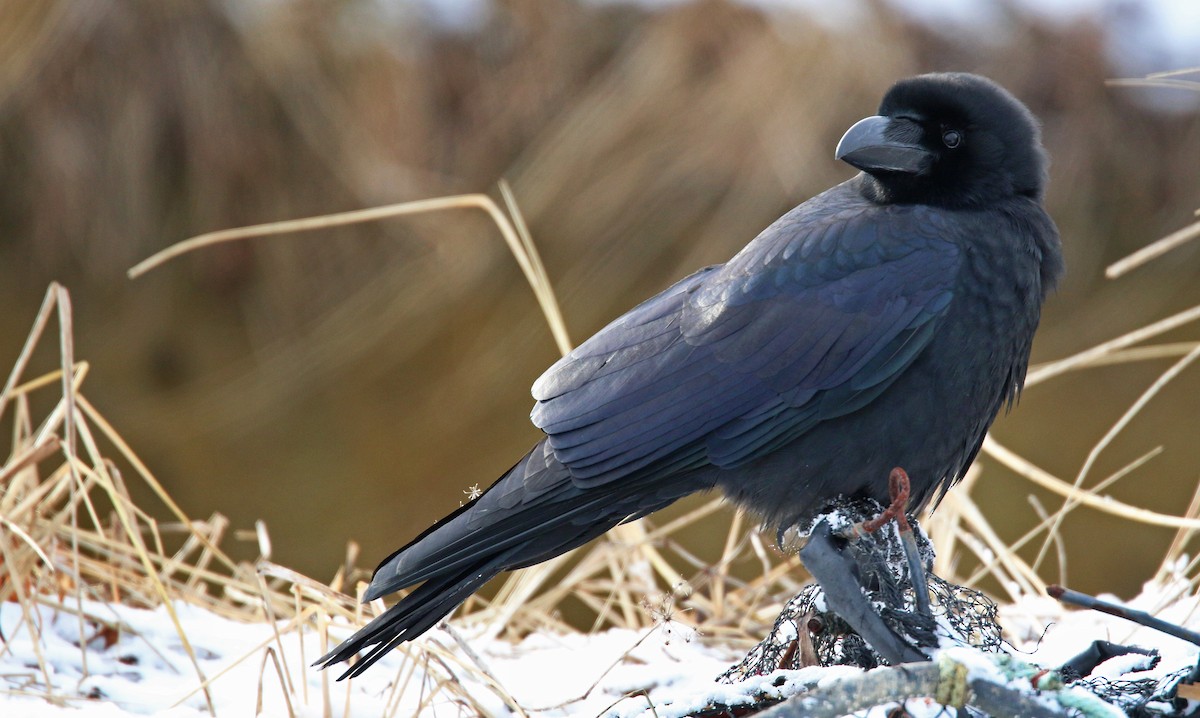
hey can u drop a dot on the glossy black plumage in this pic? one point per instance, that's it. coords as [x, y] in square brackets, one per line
[882, 323]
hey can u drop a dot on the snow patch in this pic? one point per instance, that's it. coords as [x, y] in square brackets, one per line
[666, 671]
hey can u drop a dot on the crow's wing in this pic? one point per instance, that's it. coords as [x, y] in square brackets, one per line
[812, 320]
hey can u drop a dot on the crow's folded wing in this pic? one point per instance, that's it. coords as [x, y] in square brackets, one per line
[812, 320]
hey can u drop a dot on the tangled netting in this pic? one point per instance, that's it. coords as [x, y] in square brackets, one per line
[808, 633]
[1145, 698]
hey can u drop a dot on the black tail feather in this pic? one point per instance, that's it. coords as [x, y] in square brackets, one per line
[532, 513]
[412, 616]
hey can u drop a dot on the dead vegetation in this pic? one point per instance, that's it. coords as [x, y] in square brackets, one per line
[73, 532]
[641, 145]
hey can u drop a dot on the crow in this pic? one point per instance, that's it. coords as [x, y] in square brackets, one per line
[883, 323]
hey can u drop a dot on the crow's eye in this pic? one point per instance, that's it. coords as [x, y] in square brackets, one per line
[951, 138]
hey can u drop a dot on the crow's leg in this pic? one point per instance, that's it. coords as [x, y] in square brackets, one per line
[899, 489]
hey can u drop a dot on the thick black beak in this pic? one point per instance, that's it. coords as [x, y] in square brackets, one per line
[884, 144]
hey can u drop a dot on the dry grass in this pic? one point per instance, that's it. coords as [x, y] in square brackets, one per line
[72, 531]
[642, 145]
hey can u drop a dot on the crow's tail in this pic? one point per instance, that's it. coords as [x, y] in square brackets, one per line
[532, 513]
[411, 617]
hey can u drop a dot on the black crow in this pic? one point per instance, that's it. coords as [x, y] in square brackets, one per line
[882, 323]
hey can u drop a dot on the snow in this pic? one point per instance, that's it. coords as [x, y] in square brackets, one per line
[665, 671]
[1039, 624]
[147, 671]
[1119, 666]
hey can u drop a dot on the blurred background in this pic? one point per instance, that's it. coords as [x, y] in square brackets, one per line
[352, 384]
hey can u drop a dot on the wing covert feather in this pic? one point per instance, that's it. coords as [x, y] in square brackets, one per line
[812, 320]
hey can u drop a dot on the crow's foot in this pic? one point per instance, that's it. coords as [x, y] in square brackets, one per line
[899, 490]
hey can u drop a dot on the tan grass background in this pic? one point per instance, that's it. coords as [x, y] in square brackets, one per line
[352, 384]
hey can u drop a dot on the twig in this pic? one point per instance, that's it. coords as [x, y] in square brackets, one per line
[530, 263]
[603, 673]
[1153, 251]
[1107, 504]
[1163, 379]
[1043, 372]
[1083, 600]
[475, 658]
[269, 654]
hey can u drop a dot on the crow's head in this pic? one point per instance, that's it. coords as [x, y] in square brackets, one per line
[947, 139]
